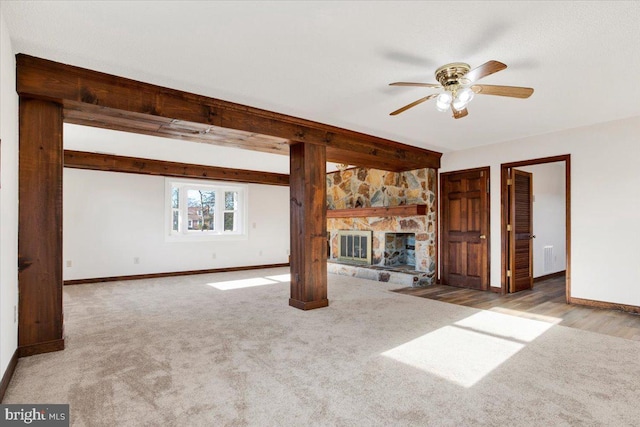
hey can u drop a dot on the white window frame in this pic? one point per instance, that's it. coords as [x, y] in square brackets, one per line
[184, 234]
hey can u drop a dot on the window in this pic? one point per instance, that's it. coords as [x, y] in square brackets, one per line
[205, 210]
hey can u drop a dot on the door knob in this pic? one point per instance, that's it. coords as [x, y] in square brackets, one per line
[532, 236]
[482, 236]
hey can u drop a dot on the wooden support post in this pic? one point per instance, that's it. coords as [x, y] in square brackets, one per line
[308, 226]
[40, 228]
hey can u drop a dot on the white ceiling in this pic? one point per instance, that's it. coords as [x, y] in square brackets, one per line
[332, 61]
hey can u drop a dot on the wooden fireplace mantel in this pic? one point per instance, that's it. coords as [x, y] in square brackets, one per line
[404, 210]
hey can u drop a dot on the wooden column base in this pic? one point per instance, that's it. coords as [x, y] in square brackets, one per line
[308, 305]
[42, 347]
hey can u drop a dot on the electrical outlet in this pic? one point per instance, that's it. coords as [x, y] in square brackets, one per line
[253, 225]
[213, 255]
[15, 314]
[260, 253]
[68, 263]
[287, 251]
[136, 260]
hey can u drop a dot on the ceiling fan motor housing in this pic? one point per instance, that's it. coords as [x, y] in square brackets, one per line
[451, 74]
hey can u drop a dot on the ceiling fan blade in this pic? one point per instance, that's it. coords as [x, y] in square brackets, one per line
[484, 70]
[413, 104]
[458, 114]
[415, 84]
[512, 91]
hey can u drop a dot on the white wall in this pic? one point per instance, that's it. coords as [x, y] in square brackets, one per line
[8, 199]
[85, 138]
[110, 218]
[548, 216]
[604, 202]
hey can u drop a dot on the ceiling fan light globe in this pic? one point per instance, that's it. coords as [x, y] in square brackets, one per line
[465, 95]
[459, 105]
[444, 98]
[443, 101]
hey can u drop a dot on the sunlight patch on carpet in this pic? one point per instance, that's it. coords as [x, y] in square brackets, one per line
[505, 326]
[468, 350]
[242, 283]
[281, 277]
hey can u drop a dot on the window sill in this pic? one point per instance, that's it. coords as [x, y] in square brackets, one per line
[206, 237]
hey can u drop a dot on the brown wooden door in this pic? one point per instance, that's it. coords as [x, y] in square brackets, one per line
[465, 228]
[521, 234]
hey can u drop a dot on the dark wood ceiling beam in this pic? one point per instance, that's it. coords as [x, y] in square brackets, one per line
[77, 87]
[108, 118]
[115, 120]
[112, 163]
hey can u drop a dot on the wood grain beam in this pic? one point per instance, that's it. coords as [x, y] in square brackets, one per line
[40, 228]
[112, 163]
[308, 260]
[77, 87]
[404, 210]
[107, 118]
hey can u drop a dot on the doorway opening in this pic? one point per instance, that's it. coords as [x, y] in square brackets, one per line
[535, 223]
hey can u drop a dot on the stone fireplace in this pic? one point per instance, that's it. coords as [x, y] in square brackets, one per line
[398, 209]
[396, 242]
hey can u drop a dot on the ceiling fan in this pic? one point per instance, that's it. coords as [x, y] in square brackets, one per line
[457, 84]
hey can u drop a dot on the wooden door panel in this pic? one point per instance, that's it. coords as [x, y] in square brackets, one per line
[473, 184]
[465, 218]
[455, 258]
[521, 220]
[473, 214]
[455, 185]
[465, 281]
[455, 221]
[474, 259]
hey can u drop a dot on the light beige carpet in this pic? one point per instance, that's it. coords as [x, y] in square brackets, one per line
[227, 350]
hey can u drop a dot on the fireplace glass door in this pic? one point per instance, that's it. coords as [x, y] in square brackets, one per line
[355, 246]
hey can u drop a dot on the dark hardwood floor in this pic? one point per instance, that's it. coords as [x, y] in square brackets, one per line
[546, 302]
